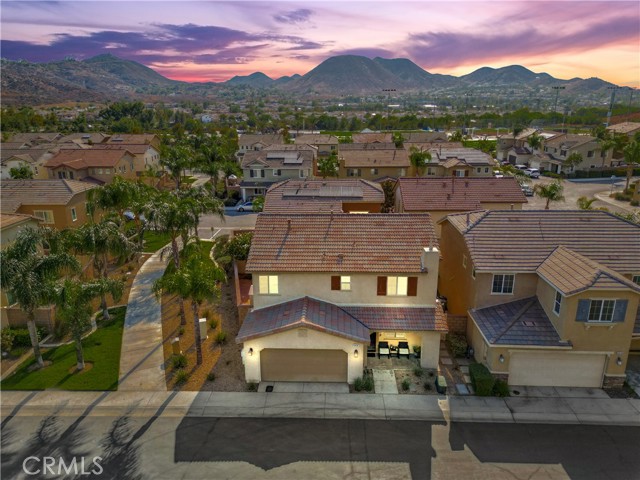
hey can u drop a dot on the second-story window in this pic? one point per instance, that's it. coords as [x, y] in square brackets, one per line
[557, 303]
[341, 282]
[397, 286]
[276, 172]
[74, 215]
[601, 310]
[636, 279]
[502, 284]
[256, 173]
[302, 175]
[268, 284]
[353, 172]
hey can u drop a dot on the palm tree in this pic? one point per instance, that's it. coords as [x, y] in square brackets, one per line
[631, 158]
[216, 156]
[200, 202]
[551, 191]
[101, 241]
[29, 275]
[535, 141]
[585, 203]
[176, 158]
[196, 280]
[419, 159]
[73, 300]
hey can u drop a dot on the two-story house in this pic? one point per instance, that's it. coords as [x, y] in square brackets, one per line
[459, 162]
[145, 156]
[98, 166]
[442, 196]
[325, 144]
[328, 288]
[410, 138]
[275, 163]
[559, 149]
[324, 196]
[252, 142]
[372, 161]
[549, 296]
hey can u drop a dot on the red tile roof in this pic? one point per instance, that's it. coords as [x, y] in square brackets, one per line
[341, 242]
[456, 194]
[79, 159]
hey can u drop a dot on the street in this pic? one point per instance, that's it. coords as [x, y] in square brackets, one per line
[165, 446]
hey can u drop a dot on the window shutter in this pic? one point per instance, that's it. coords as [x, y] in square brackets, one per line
[620, 311]
[251, 173]
[412, 287]
[335, 282]
[382, 285]
[583, 310]
[262, 173]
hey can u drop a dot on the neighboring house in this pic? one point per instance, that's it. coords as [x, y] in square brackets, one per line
[324, 143]
[459, 162]
[446, 195]
[550, 295]
[424, 137]
[505, 143]
[56, 203]
[324, 196]
[94, 165]
[372, 161]
[136, 139]
[14, 155]
[35, 138]
[275, 163]
[145, 156]
[255, 142]
[373, 137]
[328, 288]
[560, 147]
[85, 139]
[625, 128]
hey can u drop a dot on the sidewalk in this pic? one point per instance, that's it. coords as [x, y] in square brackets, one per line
[570, 410]
[142, 359]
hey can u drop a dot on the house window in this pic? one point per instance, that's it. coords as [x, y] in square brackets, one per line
[302, 175]
[601, 310]
[590, 153]
[397, 286]
[473, 272]
[459, 173]
[256, 173]
[45, 215]
[636, 279]
[502, 284]
[74, 215]
[478, 170]
[71, 175]
[557, 303]
[341, 282]
[276, 172]
[268, 284]
[353, 172]
[486, 169]
[431, 171]
[374, 171]
[563, 153]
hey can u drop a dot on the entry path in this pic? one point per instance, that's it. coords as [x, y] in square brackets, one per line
[142, 359]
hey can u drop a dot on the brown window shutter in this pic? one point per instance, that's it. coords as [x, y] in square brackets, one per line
[335, 282]
[412, 287]
[382, 285]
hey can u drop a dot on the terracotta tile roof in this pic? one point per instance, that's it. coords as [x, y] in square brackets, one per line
[373, 158]
[372, 137]
[134, 148]
[249, 139]
[449, 193]
[624, 127]
[523, 322]
[352, 322]
[134, 139]
[568, 140]
[35, 137]
[9, 219]
[502, 240]
[470, 156]
[302, 312]
[314, 196]
[34, 154]
[424, 137]
[280, 158]
[15, 193]
[434, 145]
[571, 273]
[94, 137]
[80, 159]
[313, 139]
[344, 147]
[342, 242]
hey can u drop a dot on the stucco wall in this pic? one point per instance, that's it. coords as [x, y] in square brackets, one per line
[525, 285]
[61, 213]
[304, 338]
[455, 281]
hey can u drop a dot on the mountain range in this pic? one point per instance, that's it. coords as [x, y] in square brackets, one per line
[106, 77]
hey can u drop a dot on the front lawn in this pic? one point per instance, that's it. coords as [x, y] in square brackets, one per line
[205, 251]
[154, 241]
[101, 354]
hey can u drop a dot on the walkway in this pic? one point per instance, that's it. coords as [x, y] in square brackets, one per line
[142, 359]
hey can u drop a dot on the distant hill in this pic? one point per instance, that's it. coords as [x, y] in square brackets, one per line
[255, 80]
[514, 74]
[412, 75]
[128, 71]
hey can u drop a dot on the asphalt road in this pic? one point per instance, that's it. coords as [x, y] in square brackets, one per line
[162, 447]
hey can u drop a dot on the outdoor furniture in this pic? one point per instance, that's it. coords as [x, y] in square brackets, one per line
[371, 350]
[403, 349]
[383, 349]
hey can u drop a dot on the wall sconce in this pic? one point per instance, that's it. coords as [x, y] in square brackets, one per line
[619, 361]
[501, 358]
[355, 353]
[250, 352]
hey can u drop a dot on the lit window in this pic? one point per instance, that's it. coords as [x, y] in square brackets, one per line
[268, 284]
[601, 310]
[502, 284]
[397, 286]
[557, 303]
[345, 282]
[45, 215]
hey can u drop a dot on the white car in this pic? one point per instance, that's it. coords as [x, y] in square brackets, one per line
[520, 167]
[532, 172]
[246, 206]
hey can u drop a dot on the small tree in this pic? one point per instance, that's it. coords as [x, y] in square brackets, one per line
[632, 159]
[552, 192]
[535, 141]
[573, 160]
[456, 136]
[419, 158]
[23, 172]
[329, 166]
[258, 203]
[388, 188]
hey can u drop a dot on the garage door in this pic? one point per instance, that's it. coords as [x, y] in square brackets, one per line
[295, 365]
[556, 369]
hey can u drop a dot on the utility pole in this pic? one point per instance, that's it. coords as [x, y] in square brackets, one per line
[388, 90]
[613, 99]
[555, 103]
[465, 127]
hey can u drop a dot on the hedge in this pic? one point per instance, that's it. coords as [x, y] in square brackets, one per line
[481, 379]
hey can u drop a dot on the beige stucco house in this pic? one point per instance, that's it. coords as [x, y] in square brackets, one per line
[98, 166]
[549, 295]
[559, 148]
[328, 288]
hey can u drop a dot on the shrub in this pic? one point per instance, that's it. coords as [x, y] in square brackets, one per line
[221, 337]
[211, 377]
[406, 384]
[181, 377]
[417, 349]
[457, 344]
[481, 379]
[6, 339]
[238, 247]
[252, 387]
[501, 388]
[635, 203]
[551, 175]
[18, 351]
[418, 371]
[178, 361]
[21, 337]
[623, 197]
[364, 383]
[213, 324]
[427, 386]
[230, 202]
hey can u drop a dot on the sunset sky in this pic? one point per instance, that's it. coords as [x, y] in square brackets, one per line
[213, 41]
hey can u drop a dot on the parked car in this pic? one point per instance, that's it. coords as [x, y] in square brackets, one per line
[246, 206]
[532, 172]
[527, 190]
[520, 167]
[498, 174]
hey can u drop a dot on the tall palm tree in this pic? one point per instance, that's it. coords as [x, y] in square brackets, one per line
[29, 276]
[196, 280]
[535, 141]
[632, 159]
[175, 159]
[199, 201]
[101, 241]
[419, 159]
[73, 300]
[552, 192]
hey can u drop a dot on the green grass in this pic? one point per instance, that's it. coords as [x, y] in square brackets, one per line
[102, 348]
[154, 241]
[205, 249]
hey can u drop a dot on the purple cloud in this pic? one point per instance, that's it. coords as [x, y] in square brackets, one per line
[301, 15]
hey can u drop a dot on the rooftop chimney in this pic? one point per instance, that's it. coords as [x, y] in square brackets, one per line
[512, 206]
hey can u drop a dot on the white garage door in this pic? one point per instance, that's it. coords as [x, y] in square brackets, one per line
[556, 369]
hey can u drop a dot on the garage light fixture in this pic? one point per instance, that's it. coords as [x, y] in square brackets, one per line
[501, 358]
[355, 353]
[619, 361]
[251, 352]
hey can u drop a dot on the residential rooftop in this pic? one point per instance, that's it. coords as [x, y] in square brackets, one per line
[15, 193]
[89, 158]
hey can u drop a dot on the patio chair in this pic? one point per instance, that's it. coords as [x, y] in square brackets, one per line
[403, 349]
[383, 349]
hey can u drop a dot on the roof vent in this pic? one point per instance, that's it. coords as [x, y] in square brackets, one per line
[528, 323]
